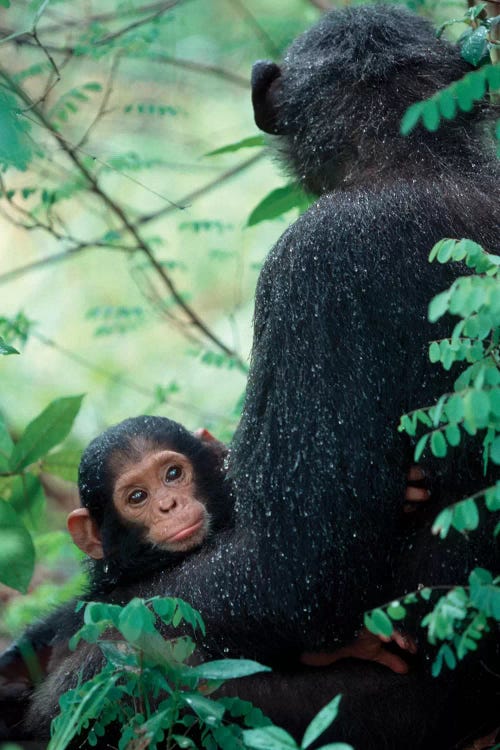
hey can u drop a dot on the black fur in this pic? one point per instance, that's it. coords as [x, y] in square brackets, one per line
[339, 354]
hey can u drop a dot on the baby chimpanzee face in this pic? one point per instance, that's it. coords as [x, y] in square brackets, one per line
[158, 493]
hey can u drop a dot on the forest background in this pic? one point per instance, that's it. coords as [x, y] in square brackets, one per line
[130, 251]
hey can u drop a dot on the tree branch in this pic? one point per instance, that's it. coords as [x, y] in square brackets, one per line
[132, 229]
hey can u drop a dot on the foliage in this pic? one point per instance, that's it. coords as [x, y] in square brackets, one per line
[22, 500]
[462, 616]
[148, 689]
[479, 46]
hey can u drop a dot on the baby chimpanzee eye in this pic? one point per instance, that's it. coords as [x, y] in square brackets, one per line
[137, 496]
[173, 472]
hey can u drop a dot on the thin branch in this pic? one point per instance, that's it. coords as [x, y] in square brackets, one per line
[190, 197]
[136, 24]
[118, 211]
[82, 246]
[104, 102]
[104, 17]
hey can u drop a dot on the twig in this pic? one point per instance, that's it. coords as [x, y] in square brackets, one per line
[104, 102]
[103, 17]
[118, 211]
[82, 246]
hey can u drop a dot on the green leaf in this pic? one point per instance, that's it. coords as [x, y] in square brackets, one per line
[445, 250]
[46, 431]
[15, 147]
[6, 349]
[438, 445]
[434, 352]
[269, 738]
[454, 408]
[227, 669]
[443, 522]
[250, 142]
[430, 115]
[5, 3]
[420, 447]
[452, 433]
[465, 515]
[6, 445]
[475, 46]
[17, 553]
[278, 202]
[411, 118]
[447, 104]
[135, 620]
[439, 305]
[378, 622]
[396, 611]
[208, 711]
[321, 721]
[495, 450]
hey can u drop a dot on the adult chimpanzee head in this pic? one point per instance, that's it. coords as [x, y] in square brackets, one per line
[150, 492]
[343, 86]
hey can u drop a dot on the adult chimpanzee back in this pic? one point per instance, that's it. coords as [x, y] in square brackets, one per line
[340, 341]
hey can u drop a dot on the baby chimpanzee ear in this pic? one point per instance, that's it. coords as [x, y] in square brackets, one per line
[85, 533]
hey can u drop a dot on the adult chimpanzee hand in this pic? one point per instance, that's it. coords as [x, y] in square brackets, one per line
[369, 647]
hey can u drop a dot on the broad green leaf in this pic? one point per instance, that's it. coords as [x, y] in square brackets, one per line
[269, 738]
[135, 620]
[252, 142]
[278, 202]
[46, 431]
[475, 46]
[321, 721]
[6, 445]
[17, 553]
[208, 711]
[28, 499]
[15, 146]
[378, 622]
[227, 669]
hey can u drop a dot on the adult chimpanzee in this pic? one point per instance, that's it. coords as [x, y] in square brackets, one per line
[340, 340]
